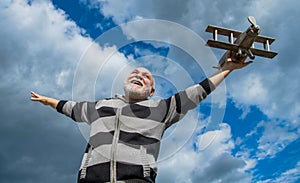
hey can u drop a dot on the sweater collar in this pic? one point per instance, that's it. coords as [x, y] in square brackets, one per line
[123, 98]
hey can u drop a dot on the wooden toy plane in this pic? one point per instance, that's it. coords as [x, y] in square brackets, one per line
[243, 45]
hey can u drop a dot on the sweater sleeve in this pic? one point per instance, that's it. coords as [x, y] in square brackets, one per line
[78, 111]
[183, 101]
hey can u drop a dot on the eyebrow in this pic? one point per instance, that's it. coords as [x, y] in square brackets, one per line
[143, 73]
[146, 73]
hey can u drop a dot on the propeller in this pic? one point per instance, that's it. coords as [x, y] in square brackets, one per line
[252, 21]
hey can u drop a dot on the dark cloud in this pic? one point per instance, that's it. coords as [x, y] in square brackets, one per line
[37, 144]
[224, 168]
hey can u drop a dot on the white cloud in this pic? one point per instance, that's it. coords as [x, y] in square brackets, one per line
[274, 139]
[212, 162]
[274, 81]
[40, 42]
[41, 47]
[272, 136]
[291, 175]
[191, 13]
[96, 71]
[251, 90]
[43, 44]
[61, 78]
[40, 50]
[269, 86]
[125, 10]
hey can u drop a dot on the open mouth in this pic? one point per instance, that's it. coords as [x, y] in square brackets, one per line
[136, 82]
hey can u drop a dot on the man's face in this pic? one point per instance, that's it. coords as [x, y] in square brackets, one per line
[139, 84]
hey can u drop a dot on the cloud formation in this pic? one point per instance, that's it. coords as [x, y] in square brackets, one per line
[268, 85]
[44, 50]
[211, 162]
[40, 50]
[265, 77]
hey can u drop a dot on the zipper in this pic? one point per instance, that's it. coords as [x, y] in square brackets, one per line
[85, 161]
[113, 163]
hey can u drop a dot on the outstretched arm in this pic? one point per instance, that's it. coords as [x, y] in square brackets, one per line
[188, 99]
[230, 65]
[78, 111]
[44, 100]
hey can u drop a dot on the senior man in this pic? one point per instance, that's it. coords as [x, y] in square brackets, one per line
[126, 130]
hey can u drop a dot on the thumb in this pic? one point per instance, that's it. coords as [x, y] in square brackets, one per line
[249, 62]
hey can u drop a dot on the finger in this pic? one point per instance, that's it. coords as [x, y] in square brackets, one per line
[34, 94]
[247, 63]
[243, 58]
[240, 59]
[229, 54]
[35, 99]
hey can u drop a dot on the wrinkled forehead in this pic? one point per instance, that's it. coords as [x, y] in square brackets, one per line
[144, 71]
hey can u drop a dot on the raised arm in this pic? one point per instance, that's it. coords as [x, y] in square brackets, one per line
[230, 65]
[44, 100]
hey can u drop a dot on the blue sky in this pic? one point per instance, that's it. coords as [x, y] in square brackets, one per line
[246, 131]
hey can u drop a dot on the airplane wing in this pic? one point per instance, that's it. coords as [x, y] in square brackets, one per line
[222, 45]
[231, 45]
[227, 32]
[241, 42]
[223, 31]
[263, 53]
[235, 48]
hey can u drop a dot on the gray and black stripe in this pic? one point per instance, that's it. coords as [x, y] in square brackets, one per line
[139, 126]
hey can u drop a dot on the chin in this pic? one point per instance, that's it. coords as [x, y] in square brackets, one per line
[135, 93]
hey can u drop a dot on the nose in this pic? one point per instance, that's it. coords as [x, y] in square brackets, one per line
[139, 76]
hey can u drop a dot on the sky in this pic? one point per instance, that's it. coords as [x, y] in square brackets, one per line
[247, 130]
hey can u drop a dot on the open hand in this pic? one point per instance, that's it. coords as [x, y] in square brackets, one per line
[44, 100]
[39, 98]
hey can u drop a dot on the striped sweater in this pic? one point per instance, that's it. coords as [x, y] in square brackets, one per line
[125, 137]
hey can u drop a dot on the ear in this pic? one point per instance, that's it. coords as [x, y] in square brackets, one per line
[152, 92]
